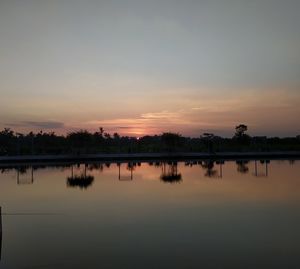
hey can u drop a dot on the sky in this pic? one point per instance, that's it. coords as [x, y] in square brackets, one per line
[140, 67]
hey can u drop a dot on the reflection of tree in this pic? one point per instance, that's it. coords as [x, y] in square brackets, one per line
[4, 170]
[130, 167]
[95, 166]
[242, 167]
[261, 174]
[170, 173]
[191, 163]
[209, 167]
[157, 164]
[23, 171]
[82, 181]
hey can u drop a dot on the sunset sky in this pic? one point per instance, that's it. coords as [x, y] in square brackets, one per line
[142, 67]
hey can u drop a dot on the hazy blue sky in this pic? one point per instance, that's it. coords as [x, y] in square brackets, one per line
[141, 67]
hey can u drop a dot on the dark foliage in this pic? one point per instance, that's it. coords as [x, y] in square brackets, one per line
[170, 173]
[82, 181]
[242, 167]
[83, 142]
[171, 178]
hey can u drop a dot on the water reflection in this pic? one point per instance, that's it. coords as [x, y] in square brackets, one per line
[265, 171]
[170, 170]
[151, 213]
[169, 173]
[96, 166]
[21, 178]
[82, 181]
[242, 166]
[0, 233]
[210, 169]
[124, 177]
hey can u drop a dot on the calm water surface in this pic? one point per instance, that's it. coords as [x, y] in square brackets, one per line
[152, 215]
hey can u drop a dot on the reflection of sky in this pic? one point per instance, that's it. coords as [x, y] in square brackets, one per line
[281, 185]
[141, 67]
[145, 222]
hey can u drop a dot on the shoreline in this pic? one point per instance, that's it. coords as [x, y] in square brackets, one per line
[122, 157]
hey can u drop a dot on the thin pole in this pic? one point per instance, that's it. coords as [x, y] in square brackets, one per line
[32, 151]
[31, 174]
[0, 233]
[18, 175]
[255, 168]
[0, 220]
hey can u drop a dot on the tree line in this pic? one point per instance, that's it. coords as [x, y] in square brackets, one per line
[83, 142]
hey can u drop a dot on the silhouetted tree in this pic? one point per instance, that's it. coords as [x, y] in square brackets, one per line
[6, 141]
[107, 136]
[82, 141]
[116, 136]
[101, 131]
[79, 140]
[171, 141]
[240, 134]
[208, 138]
[240, 130]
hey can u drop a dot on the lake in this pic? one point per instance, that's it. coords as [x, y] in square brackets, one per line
[193, 214]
